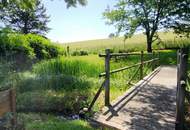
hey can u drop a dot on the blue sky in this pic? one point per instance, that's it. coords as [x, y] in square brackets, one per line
[77, 24]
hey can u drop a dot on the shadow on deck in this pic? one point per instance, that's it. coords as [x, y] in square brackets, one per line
[149, 105]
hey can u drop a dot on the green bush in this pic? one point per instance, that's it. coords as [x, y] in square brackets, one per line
[12, 44]
[43, 48]
[79, 53]
[30, 46]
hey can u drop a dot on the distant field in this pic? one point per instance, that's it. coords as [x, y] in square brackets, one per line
[136, 43]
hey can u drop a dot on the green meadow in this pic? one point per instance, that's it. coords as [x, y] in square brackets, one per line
[65, 84]
[135, 43]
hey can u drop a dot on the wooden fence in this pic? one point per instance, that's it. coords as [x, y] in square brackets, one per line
[182, 76]
[106, 83]
[8, 104]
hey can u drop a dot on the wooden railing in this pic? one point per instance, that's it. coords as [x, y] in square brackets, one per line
[106, 83]
[8, 105]
[182, 76]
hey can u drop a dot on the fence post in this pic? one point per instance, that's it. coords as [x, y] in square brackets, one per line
[13, 106]
[182, 76]
[107, 77]
[141, 66]
[153, 62]
[159, 58]
[68, 51]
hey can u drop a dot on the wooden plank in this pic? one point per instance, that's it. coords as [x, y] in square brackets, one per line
[96, 96]
[182, 77]
[107, 78]
[13, 105]
[122, 54]
[127, 67]
[141, 66]
[5, 102]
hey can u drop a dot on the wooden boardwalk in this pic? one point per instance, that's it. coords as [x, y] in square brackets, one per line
[149, 105]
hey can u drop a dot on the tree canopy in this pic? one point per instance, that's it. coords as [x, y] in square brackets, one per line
[31, 3]
[28, 20]
[149, 16]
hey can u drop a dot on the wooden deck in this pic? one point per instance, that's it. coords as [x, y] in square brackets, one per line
[149, 105]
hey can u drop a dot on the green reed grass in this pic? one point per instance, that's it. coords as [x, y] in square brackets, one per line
[67, 66]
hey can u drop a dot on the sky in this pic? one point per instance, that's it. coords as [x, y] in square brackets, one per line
[78, 24]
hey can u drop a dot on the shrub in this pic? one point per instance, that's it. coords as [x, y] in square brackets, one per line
[28, 46]
[12, 44]
[79, 53]
[43, 48]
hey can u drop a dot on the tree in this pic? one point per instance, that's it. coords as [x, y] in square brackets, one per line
[111, 35]
[28, 20]
[181, 18]
[130, 16]
[30, 4]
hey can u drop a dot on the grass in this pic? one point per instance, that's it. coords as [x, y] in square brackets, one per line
[40, 121]
[136, 43]
[67, 84]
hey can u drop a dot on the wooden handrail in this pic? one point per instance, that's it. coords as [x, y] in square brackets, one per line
[122, 54]
[181, 87]
[107, 73]
[96, 96]
[128, 67]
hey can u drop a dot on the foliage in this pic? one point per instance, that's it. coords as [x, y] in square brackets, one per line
[79, 53]
[42, 121]
[181, 13]
[30, 46]
[31, 3]
[130, 16]
[73, 3]
[15, 44]
[28, 20]
[43, 48]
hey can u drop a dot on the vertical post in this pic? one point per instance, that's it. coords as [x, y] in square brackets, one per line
[182, 76]
[107, 77]
[159, 58]
[141, 66]
[13, 106]
[153, 62]
[68, 51]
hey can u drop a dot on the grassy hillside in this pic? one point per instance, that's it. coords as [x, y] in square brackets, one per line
[136, 43]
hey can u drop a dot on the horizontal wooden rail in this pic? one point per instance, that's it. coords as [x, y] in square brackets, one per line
[127, 67]
[96, 96]
[122, 54]
[106, 84]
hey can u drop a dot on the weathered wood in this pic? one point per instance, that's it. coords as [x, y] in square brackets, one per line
[96, 96]
[107, 77]
[122, 54]
[149, 105]
[141, 66]
[13, 106]
[5, 102]
[153, 62]
[158, 58]
[68, 51]
[182, 77]
[136, 72]
[127, 67]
